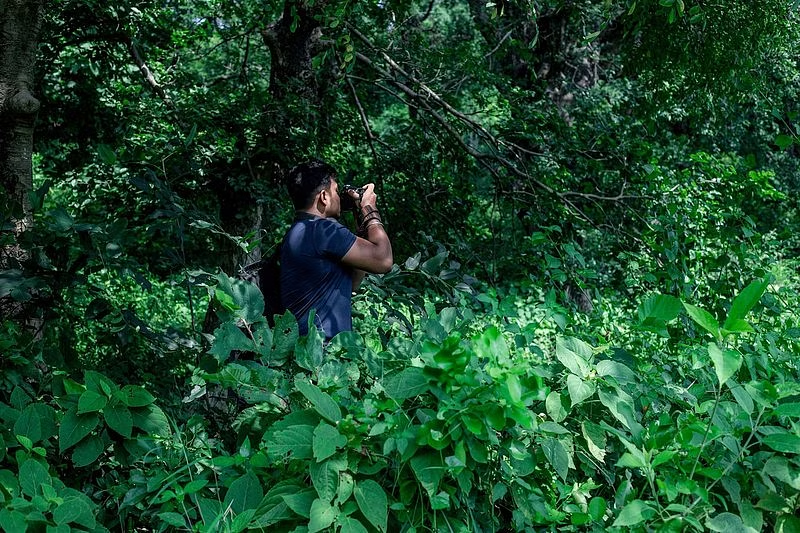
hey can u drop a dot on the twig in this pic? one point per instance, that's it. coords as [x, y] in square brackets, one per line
[506, 36]
[364, 120]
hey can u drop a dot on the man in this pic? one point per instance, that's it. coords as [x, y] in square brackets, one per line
[323, 262]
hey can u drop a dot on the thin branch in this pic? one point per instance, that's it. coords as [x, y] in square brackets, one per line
[364, 120]
[506, 36]
[148, 74]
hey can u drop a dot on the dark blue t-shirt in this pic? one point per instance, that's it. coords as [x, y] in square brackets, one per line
[313, 277]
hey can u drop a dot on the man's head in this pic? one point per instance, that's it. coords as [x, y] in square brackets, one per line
[307, 180]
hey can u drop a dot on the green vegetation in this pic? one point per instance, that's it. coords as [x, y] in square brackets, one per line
[592, 323]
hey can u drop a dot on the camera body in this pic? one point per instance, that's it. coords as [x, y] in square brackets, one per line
[347, 202]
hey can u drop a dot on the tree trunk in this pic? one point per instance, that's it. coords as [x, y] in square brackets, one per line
[19, 30]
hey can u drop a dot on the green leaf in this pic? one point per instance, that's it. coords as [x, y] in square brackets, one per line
[556, 455]
[660, 307]
[704, 319]
[726, 362]
[579, 390]
[407, 383]
[352, 525]
[429, 469]
[173, 519]
[321, 401]
[373, 503]
[783, 442]
[325, 478]
[32, 476]
[744, 302]
[322, 515]
[783, 141]
[106, 154]
[151, 419]
[300, 502]
[788, 409]
[597, 508]
[728, 523]
[244, 493]
[119, 419]
[574, 354]
[326, 440]
[634, 513]
[75, 427]
[91, 401]
[87, 451]
[135, 396]
[73, 510]
[555, 407]
[296, 440]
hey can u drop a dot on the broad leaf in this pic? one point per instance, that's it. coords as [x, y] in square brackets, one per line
[32, 476]
[555, 407]
[135, 396]
[574, 354]
[321, 401]
[352, 525]
[726, 362]
[703, 319]
[407, 383]
[244, 493]
[300, 501]
[91, 401]
[119, 419]
[579, 390]
[321, 517]
[783, 442]
[325, 478]
[87, 451]
[745, 301]
[556, 455]
[373, 503]
[75, 427]
[326, 440]
[634, 513]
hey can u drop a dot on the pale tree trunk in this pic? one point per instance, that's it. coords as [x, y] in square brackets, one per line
[20, 22]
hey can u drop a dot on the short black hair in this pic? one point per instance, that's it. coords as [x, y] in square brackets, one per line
[307, 179]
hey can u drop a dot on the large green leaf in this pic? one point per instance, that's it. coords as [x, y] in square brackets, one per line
[407, 383]
[151, 419]
[300, 501]
[320, 401]
[322, 515]
[745, 301]
[75, 427]
[555, 407]
[556, 455]
[325, 478]
[326, 440]
[429, 469]
[728, 523]
[74, 510]
[352, 525]
[244, 493]
[87, 451]
[135, 396]
[296, 440]
[119, 418]
[579, 390]
[91, 401]
[660, 307]
[635, 512]
[32, 476]
[703, 319]
[373, 503]
[574, 354]
[783, 442]
[726, 362]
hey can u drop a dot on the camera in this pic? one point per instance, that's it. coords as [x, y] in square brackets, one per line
[347, 202]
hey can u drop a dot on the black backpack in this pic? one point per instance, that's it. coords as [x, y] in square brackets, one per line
[266, 275]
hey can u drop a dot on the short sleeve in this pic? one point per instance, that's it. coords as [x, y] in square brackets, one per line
[332, 239]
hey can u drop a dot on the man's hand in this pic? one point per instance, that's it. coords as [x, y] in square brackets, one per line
[372, 251]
